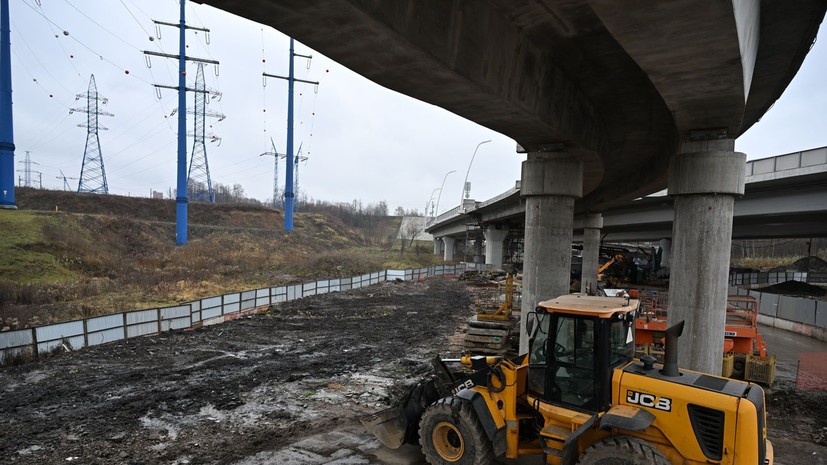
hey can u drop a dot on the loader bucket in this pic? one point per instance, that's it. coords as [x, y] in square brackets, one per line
[400, 424]
[390, 426]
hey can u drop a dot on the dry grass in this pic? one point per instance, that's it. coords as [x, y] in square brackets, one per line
[57, 266]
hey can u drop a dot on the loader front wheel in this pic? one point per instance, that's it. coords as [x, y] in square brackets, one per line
[622, 450]
[450, 433]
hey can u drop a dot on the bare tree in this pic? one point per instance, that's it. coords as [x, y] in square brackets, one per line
[410, 230]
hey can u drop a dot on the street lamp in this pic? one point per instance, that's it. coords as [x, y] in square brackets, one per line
[465, 183]
[440, 189]
[430, 201]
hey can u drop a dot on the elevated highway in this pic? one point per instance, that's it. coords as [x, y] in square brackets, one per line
[784, 196]
[610, 101]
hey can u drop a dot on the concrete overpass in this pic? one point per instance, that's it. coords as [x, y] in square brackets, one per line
[606, 101]
[785, 196]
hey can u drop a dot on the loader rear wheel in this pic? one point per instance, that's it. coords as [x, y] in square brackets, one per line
[622, 450]
[450, 433]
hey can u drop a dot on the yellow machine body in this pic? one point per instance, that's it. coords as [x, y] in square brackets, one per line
[574, 407]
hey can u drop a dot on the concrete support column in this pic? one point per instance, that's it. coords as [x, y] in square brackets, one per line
[478, 257]
[592, 226]
[550, 184]
[437, 249]
[704, 178]
[665, 253]
[494, 239]
[448, 252]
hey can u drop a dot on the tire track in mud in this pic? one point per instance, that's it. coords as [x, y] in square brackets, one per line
[223, 393]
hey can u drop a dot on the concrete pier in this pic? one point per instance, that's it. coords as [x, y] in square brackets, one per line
[704, 178]
[591, 251]
[550, 184]
[494, 239]
[448, 251]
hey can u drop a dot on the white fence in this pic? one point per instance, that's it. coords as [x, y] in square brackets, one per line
[211, 310]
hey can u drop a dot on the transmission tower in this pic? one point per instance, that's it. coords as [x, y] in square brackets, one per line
[66, 179]
[276, 155]
[92, 172]
[199, 185]
[299, 158]
[26, 180]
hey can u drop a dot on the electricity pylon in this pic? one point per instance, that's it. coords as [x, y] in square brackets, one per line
[92, 172]
[274, 153]
[65, 179]
[199, 184]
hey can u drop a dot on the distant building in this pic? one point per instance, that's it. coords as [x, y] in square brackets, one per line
[157, 195]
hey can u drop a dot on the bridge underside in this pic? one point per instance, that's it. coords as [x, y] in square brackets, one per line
[616, 87]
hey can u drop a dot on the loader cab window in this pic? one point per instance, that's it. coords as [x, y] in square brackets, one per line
[562, 360]
[572, 372]
[537, 353]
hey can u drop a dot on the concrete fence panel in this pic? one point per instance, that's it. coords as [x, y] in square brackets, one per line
[211, 307]
[279, 294]
[263, 297]
[178, 317]
[293, 292]
[322, 287]
[195, 310]
[404, 275]
[345, 284]
[103, 329]
[308, 289]
[52, 336]
[821, 314]
[797, 309]
[231, 304]
[334, 285]
[15, 343]
[142, 322]
[768, 303]
[248, 300]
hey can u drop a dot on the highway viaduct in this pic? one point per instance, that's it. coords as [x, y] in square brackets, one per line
[608, 102]
[784, 197]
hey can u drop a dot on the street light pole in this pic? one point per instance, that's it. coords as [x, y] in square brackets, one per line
[465, 183]
[430, 201]
[440, 190]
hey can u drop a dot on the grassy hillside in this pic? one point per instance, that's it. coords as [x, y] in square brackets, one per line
[97, 254]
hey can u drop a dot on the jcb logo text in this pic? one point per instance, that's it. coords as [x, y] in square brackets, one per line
[649, 400]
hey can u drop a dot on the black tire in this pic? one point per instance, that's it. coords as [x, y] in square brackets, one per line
[622, 450]
[451, 434]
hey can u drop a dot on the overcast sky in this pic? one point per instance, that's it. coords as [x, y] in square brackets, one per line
[362, 141]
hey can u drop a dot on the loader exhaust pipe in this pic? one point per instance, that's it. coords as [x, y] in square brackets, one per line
[670, 357]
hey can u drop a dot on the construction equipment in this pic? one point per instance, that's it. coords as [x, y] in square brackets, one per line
[489, 331]
[578, 396]
[742, 341]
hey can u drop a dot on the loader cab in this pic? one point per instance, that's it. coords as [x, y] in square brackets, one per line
[576, 342]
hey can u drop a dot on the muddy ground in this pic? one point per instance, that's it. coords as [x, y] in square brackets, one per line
[285, 387]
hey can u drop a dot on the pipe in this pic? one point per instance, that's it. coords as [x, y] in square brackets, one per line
[670, 358]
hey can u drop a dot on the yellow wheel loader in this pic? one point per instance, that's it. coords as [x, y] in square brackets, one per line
[579, 397]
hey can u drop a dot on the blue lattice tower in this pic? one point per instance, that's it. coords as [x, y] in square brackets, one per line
[92, 172]
[199, 184]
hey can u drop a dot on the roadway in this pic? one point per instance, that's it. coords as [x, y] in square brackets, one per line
[785, 196]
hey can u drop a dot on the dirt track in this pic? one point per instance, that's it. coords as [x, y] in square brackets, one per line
[284, 387]
[226, 392]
